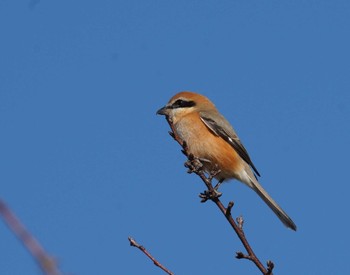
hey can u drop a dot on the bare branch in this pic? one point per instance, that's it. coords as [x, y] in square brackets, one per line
[143, 249]
[47, 263]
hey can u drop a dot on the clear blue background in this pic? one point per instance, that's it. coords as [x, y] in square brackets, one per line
[85, 162]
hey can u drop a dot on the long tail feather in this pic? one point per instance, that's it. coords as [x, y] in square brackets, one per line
[285, 219]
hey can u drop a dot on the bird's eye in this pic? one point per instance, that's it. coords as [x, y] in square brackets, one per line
[180, 103]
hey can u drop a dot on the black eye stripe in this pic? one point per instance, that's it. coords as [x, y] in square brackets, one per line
[180, 103]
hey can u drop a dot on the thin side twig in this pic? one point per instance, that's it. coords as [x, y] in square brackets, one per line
[196, 167]
[155, 261]
[47, 263]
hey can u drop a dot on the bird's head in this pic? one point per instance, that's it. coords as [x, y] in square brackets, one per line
[185, 103]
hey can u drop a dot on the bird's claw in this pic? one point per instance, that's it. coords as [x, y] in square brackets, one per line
[193, 164]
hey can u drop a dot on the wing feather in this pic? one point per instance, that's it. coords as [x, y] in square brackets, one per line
[225, 131]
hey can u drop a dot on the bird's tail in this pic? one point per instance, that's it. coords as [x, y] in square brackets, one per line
[285, 219]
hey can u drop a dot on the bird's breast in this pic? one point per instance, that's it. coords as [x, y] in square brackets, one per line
[204, 144]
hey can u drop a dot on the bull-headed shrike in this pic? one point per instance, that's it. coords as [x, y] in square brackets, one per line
[209, 136]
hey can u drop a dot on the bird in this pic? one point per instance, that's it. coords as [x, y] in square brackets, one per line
[210, 137]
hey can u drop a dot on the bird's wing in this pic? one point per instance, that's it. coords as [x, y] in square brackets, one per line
[221, 127]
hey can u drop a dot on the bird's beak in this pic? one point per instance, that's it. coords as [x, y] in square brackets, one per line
[164, 111]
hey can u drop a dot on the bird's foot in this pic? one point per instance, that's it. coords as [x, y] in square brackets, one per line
[216, 187]
[194, 164]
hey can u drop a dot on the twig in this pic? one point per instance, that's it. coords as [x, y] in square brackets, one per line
[195, 166]
[270, 266]
[47, 263]
[229, 208]
[143, 249]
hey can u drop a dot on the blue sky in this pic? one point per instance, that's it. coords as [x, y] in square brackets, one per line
[85, 162]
